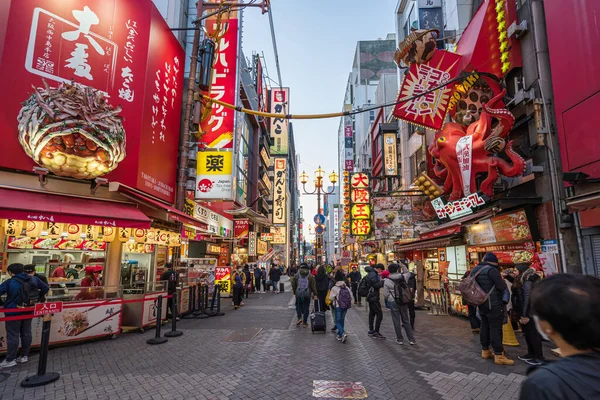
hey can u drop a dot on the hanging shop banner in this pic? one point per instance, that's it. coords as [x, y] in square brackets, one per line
[505, 228]
[241, 228]
[428, 110]
[458, 208]
[261, 247]
[214, 175]
[252, 244]
[390, 158]
[348, 144]
[280, 192]
[336, 226]
[34, 228]
[279, 235]
[217, 129]
[279, 103]
[360, 213]
[113, 106]
[13, 227]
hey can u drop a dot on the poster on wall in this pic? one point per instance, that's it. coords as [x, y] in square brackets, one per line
[87, 95]
[512, 227]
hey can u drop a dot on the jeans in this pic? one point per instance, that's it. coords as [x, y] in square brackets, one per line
[375, 311]
[321, 295]
[302, 308]
[533, 339]
[238, 292]
[491, 327]
[473, 319]
[257, 284]
[340, 316]
[14, 330]
[401, 319]
[355, 294]
[411, 313]
[275, 285]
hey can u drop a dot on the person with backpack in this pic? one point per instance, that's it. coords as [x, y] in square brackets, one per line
[355, 277]
[238, 280]
[322, 286]
[471, 309]
[248, 275]
[370, 290]
[488, 282]
[304, 288]
[21, 290]
[341, 299]
[398, 294]
[411, 281]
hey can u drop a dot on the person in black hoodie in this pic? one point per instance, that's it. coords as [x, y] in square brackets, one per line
[375, 312]
[275, 276]
[248, 279]
[566, 310]
[355, 277]
[322, 284]
[492, 310]
[257, 279]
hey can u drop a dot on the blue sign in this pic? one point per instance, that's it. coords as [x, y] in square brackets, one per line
[319, 229]
[319, 219]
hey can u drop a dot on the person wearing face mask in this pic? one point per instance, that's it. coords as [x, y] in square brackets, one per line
[566, 310]
[238, 280]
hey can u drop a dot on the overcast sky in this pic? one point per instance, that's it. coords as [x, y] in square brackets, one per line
[316, 40]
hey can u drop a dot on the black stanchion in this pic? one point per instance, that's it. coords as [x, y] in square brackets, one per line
[157, 339]
[191, 312]
[174, 332]
[202, 300]
[215, 309]
[42, 377]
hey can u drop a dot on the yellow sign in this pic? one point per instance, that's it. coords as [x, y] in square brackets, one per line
[215, 163]
[361, 211]
[390, 159]
[278, 233]
[261, 247]
[361, 227]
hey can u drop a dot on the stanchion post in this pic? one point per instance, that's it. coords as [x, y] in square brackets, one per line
[157, 339]
[174, 332]
[219, 313]
[42, 377]
[212, 312]
[201, 313]
[193, 290]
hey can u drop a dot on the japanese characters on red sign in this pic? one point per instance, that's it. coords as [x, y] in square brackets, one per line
[360, 196]
[105, 46]
[524, 246]
[428, 110]
[218, 128]
[41, 309]
[241, 228]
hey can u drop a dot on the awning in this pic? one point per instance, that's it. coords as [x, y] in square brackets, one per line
[425, 244]
[247, 212]
[584, 202]
[51, 207]
[172, 214]
[453, 227]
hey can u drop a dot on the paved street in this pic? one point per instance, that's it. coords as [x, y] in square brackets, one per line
[217, 359]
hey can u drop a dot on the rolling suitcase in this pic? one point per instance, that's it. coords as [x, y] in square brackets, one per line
[281, 287]
[317, 319]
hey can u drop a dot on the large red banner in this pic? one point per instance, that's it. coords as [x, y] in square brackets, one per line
[125, 57]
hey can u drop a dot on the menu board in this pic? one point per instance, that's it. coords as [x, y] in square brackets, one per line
[26, 242]
[511, 227]
[514, 257]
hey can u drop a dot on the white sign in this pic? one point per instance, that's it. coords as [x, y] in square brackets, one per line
[464, 150]
[279, 126]
[457, 208]
[279, 235]
[336, 224]
[430, 3]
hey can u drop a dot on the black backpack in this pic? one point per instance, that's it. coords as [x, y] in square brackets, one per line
[29, 293]
[402, 294]
[363, 287]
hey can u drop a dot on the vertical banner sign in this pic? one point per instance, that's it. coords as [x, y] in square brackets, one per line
[390, 158]
[464, 150]
[336, 226]
[348, 144]
[279, 193]
[218, 128]
[214, 175]
[279, 104]
[360, 198]
[252, 244]
[240, 228]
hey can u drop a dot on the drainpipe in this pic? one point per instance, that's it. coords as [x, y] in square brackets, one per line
[545, 85]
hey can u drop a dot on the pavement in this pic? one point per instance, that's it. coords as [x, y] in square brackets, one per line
[257, 352]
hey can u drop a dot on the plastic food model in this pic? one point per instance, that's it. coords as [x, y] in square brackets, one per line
[72, 131]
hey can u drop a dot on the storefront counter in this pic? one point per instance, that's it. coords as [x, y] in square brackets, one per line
[140, 305]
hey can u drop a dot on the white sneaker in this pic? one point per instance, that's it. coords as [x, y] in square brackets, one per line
[7, 364]
[22, 360]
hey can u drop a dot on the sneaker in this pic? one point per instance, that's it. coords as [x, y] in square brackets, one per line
[526, 357]
[371, 333]
[338, 338]
[535, 361]
[299, 322]
[305, 324]
[7, 364]
[378, 335]
[412, 343]
[344, 338]
[334, 329]
[400, 342]
[22, 360]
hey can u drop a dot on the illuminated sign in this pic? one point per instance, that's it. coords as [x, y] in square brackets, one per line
[390, 157]
[458, 208]
[280, 192]
[360, 197]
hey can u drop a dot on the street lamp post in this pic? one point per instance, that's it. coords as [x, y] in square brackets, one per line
[318, 191]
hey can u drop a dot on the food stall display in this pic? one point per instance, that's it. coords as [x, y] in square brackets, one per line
[137, 267]
[431, 263]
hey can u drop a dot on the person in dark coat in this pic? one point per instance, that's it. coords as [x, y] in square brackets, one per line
[565, 309]
[411, 282]
[491, 311]
[171, 276]
[375, 311]
[472, 310]
[257, 279]
[354, 278]
[322, 285]
[30, 269]
[275, 277]
[248, 275]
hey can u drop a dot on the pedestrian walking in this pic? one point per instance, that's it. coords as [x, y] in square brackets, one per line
[322, 286]
[170, 276]
[304, 288]
[398, 295]
[21, 290]
[565, 309]
[341, 299]
[411, 281]
[355, 278]
[472, 311]
[292, 271]
[492, 310]
[248, 284]
[257, 279]
[374, 284]
[275, 276]
[238, 280]
[263, 278]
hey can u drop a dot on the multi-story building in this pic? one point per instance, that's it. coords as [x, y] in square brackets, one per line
[331, 210]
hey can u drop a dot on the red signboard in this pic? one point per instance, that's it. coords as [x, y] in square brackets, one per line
[428, 110]
[240, 228]
[41, 309]
[104, 47]
[219, 126]
[440, 232]
[529, 246]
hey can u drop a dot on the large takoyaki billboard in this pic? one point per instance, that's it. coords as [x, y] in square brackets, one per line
[91, 89]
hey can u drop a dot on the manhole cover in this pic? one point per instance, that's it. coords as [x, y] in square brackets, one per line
[243, 335]
[339, 390]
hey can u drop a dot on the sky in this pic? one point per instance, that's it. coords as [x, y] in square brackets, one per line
[316, 41]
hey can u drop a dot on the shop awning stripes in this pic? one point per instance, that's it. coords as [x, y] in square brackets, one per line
[584, 202]
[29, 205]
[425, 244]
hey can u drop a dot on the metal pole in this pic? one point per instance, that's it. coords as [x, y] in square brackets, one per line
[174, 305]
[157, 339]
[42, 377]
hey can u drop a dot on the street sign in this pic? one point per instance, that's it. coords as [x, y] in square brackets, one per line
[319, 229]
[41, 309]
[319, 219]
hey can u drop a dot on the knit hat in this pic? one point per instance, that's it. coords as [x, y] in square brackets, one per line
[490, 258]
[385, 274]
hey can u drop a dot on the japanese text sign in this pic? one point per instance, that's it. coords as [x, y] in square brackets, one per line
[252, 244]
[458, 208]
[218, 128]
[280, 192]
[41, 309]
[360, 196]
[279, 104]
[240, 228]
[429, 108]
[279, 236]
[103, 47]
[214, 175]
[390, 159]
